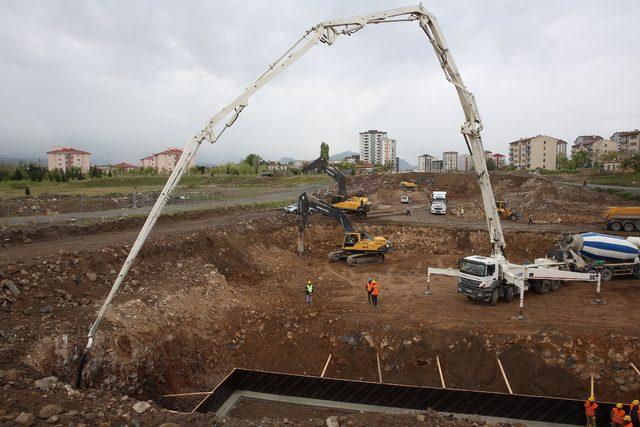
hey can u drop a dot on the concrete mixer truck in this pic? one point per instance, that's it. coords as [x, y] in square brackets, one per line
[598, 253]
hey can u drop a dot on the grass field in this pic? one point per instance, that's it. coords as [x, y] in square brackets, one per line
[623, 179]
[128, 184]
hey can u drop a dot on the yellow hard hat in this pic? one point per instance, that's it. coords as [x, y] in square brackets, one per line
[619, 405]
[627, 418]
[635, 402]
[308, 282]
[591, 399]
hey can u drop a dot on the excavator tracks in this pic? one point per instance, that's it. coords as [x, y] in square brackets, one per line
[365, 258]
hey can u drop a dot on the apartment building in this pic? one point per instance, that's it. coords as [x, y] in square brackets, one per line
[584, 143]
[596, 147]
[450, 161]
[164, 161]
[627, 140]
[377, 148]
[537, 152]
[65, 158]
[465, 163]
[424, 163]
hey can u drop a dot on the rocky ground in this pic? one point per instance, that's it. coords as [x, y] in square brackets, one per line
[224, 290]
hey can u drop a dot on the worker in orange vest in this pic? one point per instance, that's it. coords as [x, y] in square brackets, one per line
[617, 416]
[374, 293]
[627, 421]
[633, 412]
[590, 407]
[369, 289]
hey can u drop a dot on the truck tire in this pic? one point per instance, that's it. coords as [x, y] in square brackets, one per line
[637, 224]
[513, 217]
[543, 287]
[606, 274]
[615, 226]
[628, 226]
[494, 297]
[555, 285]
[508, 294]
[636, 271]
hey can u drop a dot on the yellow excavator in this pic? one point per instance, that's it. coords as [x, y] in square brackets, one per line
[409, 185]
[357, 204]
[357, 247]
[506, 211]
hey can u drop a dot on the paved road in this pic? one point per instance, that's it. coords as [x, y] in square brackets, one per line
[267, 195]
[634, 190]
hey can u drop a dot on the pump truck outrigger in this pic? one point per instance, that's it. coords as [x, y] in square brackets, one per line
[357, 247]
[325, 32]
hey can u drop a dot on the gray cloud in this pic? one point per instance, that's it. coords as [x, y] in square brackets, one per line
[123, 79]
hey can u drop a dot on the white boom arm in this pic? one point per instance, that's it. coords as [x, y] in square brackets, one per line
[327, 32]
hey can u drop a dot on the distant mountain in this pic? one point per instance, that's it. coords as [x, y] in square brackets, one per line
[405, 166]
[286, 160]
[341, 156]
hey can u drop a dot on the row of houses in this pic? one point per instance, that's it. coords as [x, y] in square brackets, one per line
[65, 158]
[454, 161]
[543, 151]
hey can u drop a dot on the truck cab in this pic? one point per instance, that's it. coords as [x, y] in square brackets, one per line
[478, 278]
[439, 202]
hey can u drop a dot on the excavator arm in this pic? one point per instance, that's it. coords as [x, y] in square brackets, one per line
[307, 202]
[321, 165]
[325, 32]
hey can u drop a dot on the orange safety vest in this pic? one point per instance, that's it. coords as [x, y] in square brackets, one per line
[590, 408]
[374, 289]
[628, 424]
[369, 287]
[617, 416]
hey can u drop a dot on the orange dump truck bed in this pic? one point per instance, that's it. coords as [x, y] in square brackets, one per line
[625, 218]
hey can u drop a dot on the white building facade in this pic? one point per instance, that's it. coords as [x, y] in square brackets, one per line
[377, 148]
[449, 161]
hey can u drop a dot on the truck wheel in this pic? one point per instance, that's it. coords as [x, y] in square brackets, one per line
[508, 294]
[628, 226]
[543, 287]
[637, 224]
[513, 217]
[606, 274]
[555, 285]
[494, 297]
[636, 271]
[615, 226]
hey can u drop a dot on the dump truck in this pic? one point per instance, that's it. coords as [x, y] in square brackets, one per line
[438, 203]
[625, 218]
[611, 256]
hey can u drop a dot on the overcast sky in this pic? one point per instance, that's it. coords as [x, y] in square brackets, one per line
[122, 79]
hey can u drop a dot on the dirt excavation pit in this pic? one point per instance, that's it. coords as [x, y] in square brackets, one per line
[198, 305]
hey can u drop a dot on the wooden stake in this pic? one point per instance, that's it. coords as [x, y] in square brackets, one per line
[326, 365]
[634, 368]
[379, 370]
[506, 381]
[195, 393]
[440, 371]
[592, 391]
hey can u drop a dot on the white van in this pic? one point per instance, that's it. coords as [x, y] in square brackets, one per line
[439, 202]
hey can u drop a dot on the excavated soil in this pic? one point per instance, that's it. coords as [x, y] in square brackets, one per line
[231, 295]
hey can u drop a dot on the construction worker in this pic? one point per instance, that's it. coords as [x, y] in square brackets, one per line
[374, 293]
[617, 416]
[627, 421]
[590, 407]
[309, 292]
[369, 289]
[633, 412]
[461, 211]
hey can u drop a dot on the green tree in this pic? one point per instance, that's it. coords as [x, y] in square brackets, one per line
[18, 175]
[252, 160]
[632, 162]
[94, 172]
[581, 159]
[324, 151]
[491, 164]
[562, 162]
